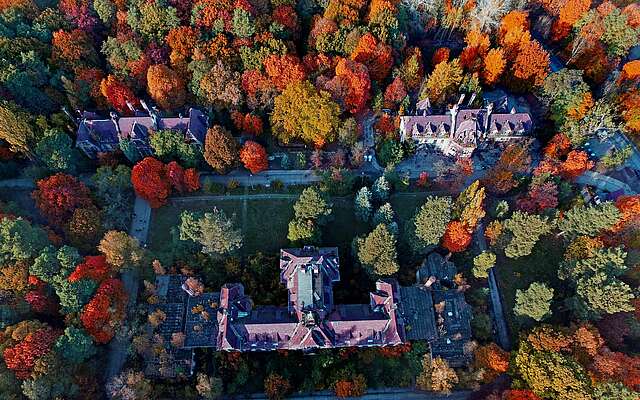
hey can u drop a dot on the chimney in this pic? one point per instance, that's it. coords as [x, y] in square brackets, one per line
[487, 118]
[131, 107]
[454, 113]
[114, 119]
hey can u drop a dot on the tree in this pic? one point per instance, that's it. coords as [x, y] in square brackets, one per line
[215, 232]
[276, 387]
[221, 87]
[376, 56]
[601, 294]
[589, 220]
[377, 252]
[16, 130]
[383, 215]
[436, 375]
[169, 145]
[303, 231]
[254, 157]
[152, 19]
[492, 359]
[565, 91]
[106, 310]
[242, 23]
[27, 349]
[117, 93]
[551, 374]
[469, 206]
[494, 64]
[482, 263]
[220, 149]
[380, 189]
[431, 220]
[477, 46]
[129, 385]
[15, 278]
[456, 237]
[55, 150]
[284, 70]
[20, 240]
[84, 227]
[114, 195]
[353, 387]
[150, 181]
[362, 204]
[613, 391]
[530, 66]
[311, 205]
[93, 267]
[534, 302]
[75, 345]
[525, 230]
[209, 387]
[351, 85]
[121, 250]
[166, 87]
[601, 116]
[390, 153]
[58, 196]
[443, 81]
[301, 112]
[540, 197]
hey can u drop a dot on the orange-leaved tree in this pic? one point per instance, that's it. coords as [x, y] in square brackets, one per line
[254, 157]
[166, 87]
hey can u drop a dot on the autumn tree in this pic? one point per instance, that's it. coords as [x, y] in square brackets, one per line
[494, 65]
[477, 46]
[301, 112]
[129, 385]
[117, 93]
[121, 250]
[16, 130]
[566, 93]
[29, 342]
[530, 67]
[150, 181]
[166, 87]
[104, 313]
[456, 237]
[220, 87]
[377, 252]
[443, 81]
[377, 57]
[469, 206]
[284, 70]
[492, 359]
[550, 373]
[436, 375]
[254, 157]
[351, 85]
[58, 196]
[276, 387]
[220, 149]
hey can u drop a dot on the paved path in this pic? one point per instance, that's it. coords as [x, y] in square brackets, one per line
[19, 183]
[119, 346]
[502, 329]
[603, 182]
[244, 178]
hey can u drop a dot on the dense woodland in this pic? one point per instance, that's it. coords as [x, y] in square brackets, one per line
[299, 79]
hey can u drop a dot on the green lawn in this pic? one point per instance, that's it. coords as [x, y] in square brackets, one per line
[540, 266]
[265, 221]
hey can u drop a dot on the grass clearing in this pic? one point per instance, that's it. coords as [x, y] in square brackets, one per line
[540, 266]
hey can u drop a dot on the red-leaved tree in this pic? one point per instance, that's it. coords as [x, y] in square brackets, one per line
[106, 310]
[93, 267]
[58, 196]
[150, 181]
[456, 237]
[22, 357]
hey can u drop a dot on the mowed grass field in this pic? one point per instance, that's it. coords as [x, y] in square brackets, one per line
[513, 274]
[264, 221]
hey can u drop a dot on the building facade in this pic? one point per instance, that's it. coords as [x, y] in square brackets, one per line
[102, 135]
[462, 131]
[434, 311]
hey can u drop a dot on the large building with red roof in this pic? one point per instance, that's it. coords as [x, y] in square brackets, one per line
[433, 310]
